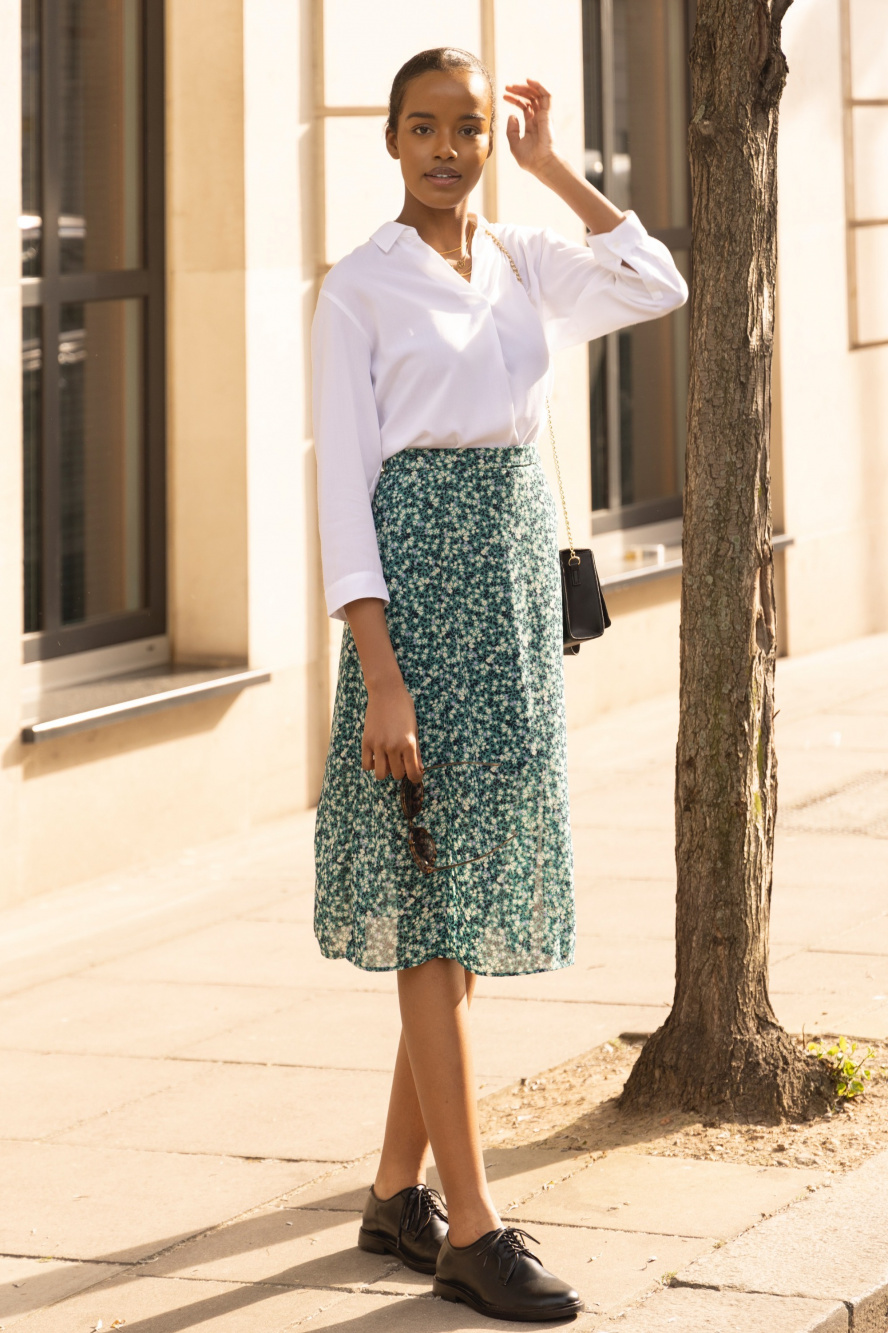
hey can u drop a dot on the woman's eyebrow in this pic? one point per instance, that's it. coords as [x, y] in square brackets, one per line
[430, 115]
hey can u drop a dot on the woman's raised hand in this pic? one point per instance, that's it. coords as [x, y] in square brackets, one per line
[533, 150]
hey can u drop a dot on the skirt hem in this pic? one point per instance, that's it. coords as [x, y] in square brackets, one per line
[427, 958]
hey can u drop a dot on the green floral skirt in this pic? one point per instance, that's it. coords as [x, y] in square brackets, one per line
[467, 539]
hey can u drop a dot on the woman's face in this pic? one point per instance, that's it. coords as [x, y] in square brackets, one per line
[442, 139]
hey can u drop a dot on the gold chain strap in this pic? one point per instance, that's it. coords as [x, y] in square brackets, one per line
[574, 558]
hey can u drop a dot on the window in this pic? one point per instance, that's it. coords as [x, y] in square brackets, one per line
[92, 323]
[865, 95]
[636, 113]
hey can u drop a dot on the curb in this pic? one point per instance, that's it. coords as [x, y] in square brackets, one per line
[820, 1266]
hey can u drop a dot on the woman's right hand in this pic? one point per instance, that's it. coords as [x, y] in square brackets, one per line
[389, 745]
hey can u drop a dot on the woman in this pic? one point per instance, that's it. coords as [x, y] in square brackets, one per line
[442, 840]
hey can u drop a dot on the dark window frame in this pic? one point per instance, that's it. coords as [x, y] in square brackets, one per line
[53, 289]
[617, 516]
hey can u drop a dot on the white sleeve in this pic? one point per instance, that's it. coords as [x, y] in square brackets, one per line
[349, 454]
[586, 291]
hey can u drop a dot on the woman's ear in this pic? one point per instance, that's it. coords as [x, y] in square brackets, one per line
[391, 143]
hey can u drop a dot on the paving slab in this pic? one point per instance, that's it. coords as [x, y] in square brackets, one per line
[603, 855]
[607, 1268]
[87, 1015]
[252, 1111]
[685, 1311]
[371, 1313]
[344, 1030]
[829, 983]
[245, 953]
[31, 1284]
[325, 1029]
[628, 1191]
[846, 729]
[43, 1094]
[518, 1040]
[293, 906]
[285, 1246]
[626, 970]
[171, 1305]
[801, 781]
[830, 1246]
[605, 907]
[119, 1205]
[866, 939]
[513, 1174]
[804, 914]
[632, 805]
[853, 868]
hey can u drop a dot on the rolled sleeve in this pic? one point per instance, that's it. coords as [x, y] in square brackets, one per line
[349, 456]
[586, 291]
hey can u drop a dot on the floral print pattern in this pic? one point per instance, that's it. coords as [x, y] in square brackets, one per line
[467, 539]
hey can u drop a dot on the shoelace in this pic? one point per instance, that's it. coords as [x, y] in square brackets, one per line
[509, 1245]
[420, 1206]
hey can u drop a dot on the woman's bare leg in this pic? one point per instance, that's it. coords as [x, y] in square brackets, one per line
[405, 1148]
[434, 1014]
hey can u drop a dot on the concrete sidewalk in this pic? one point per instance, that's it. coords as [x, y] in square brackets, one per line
[193, 1097]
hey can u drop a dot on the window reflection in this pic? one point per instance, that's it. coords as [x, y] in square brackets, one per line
[32, 394]
[653, 404]
[30, 221]
[636, 113]
[101, 177]
[650, 111]
[101, 459]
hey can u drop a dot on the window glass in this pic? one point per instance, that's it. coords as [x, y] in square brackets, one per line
[592, 93]
[598, 422]
[650, 111]
[653, 404]
[32, 396]
[101, 458]
[30, 220]
[101, 133]
[636, 111]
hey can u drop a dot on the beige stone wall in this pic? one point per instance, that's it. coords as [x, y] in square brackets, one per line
[834, 401]
[243, 563]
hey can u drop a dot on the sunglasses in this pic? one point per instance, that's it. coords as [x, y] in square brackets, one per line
[419, 840]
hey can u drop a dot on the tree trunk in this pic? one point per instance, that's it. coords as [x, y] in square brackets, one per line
[721, 1051]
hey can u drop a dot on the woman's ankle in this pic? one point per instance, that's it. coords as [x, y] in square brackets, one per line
[468, 1226]
[387, 1186]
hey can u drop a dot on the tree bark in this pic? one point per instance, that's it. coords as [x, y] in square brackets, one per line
[721, 1051]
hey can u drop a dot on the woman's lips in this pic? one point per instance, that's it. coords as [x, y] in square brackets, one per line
[442, 180]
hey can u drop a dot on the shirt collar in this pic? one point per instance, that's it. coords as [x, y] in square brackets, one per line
[386, 235]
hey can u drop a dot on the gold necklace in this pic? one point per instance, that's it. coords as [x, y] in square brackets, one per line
[458, 263]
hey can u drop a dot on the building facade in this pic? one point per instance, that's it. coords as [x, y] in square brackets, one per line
[176, 176]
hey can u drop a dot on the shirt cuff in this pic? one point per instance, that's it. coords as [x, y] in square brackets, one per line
[348, 589]
[610, 248]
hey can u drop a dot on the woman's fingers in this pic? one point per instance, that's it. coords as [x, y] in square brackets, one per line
[413, 763]
[381, 764]
[366, 755]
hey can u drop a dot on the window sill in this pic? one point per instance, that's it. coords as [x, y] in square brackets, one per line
[100, 703]
[632, 573]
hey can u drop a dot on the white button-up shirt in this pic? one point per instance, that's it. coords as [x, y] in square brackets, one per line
[407, 354]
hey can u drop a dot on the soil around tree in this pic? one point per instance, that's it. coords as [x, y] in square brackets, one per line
[573, 1107]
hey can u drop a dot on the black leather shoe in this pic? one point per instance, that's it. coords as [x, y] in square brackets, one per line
[411, 1225]
[499, 1277]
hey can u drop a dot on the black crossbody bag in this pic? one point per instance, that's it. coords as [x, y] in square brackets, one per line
[584, 613]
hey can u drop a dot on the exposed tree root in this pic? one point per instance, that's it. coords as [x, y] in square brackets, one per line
[756, 1077]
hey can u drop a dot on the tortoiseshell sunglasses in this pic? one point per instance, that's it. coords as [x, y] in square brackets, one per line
[419, 840]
